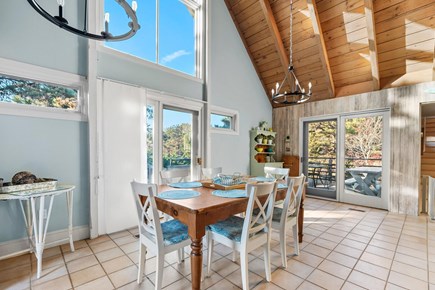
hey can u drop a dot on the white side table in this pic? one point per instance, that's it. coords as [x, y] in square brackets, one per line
[34, 216]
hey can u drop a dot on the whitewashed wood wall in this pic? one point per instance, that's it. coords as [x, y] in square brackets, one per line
[405, 128]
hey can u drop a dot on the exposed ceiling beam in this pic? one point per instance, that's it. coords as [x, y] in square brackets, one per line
[271, 23]
[314, 15]
[370, 19]
[242, 37]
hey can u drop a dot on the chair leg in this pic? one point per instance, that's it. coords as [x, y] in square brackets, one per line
[234, 256]
[283, 245]
[244, 269]
[209, 254]
[142, 255]
[180, 256]
[267, 262]
[296, 238]
[160, 260]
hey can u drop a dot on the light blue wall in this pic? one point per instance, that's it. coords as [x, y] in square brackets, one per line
[59, 149]
[47, 148]
[233, 84]
[113, 67]
[28, 37]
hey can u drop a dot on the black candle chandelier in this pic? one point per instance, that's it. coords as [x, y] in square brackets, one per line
[297, 93]
[104, 35]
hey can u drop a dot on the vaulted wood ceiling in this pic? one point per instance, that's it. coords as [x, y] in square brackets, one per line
[343, 47]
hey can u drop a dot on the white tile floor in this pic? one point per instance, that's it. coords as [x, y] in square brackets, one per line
[345, 247]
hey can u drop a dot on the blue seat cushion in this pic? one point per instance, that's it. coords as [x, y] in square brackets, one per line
[277, 212]
[174, 232]
[230, 228]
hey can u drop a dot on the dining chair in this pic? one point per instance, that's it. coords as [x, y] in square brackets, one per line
[276, 172]
[286, 214]
[247, 234]
[174, 175]
[210, 172]
[160, 238]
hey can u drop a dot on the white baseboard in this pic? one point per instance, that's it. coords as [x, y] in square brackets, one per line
[17, 247]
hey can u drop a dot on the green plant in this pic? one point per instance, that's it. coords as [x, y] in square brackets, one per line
[260, 136]
[262, 124]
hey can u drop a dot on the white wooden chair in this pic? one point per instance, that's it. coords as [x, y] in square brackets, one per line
[210, 172]
[246, 234]
[161, 238]
[174, 175]
[277, 173]
[286, 214]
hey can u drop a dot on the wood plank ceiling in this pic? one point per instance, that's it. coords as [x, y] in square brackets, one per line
[343, 47]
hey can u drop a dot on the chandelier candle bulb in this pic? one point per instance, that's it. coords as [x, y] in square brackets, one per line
[106, 22]
[61, 22]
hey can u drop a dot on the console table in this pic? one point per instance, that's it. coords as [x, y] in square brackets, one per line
[33, 207]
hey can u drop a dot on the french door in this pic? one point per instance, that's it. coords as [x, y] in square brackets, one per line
[320, 157]
[346, 158]
[364, 159]
[173, 136]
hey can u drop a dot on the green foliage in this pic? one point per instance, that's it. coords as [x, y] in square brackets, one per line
[37, 94]
[226, 123]
[177, 143]
[322, 140]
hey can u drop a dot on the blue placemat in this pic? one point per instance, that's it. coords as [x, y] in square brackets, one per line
[192, 184]
[179, 194]
[282, 185]
[263, 179]
[233, 193]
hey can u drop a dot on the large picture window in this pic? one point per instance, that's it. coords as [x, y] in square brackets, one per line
[169, 34]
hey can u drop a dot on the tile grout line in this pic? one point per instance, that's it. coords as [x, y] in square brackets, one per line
[348, 232]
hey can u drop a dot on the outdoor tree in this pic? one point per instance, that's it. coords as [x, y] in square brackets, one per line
[37, 94]
[364, 140]
[322, 140]
[177, 144]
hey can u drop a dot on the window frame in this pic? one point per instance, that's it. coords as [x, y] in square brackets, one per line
[19, 70]
[198, 5]
[234, 114]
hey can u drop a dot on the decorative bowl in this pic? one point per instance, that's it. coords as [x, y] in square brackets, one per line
[259, 149]
[224, 179]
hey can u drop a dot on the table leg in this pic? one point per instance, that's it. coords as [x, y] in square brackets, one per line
[69, 201]
[196, 263]
[40, 229]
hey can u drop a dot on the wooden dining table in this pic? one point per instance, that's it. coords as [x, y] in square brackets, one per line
[201, 211]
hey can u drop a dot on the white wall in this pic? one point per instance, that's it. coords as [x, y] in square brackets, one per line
[234, 84]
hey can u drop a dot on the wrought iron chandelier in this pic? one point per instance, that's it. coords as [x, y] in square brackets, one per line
[297, 93]
[104, 35]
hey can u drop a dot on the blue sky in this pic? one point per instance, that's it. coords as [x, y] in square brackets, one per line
[171, 118]
[176, 33]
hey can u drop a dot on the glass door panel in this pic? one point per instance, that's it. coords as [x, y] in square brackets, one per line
[363, 162]
[177, 143]
[150, 138]
[319, 157]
